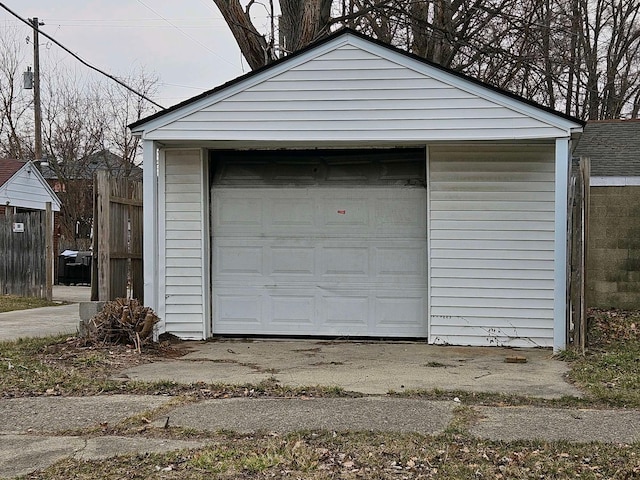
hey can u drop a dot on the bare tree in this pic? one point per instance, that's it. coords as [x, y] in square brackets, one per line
[609, 38]
[14, 100]
[581, 56]
[121, 108]
[85, 129]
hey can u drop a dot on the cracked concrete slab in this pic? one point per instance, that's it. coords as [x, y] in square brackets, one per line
[105, 447]
[23, 454]
[51, 414]
[551, 424]
[373, 368]
[183, 371]
[334, 414]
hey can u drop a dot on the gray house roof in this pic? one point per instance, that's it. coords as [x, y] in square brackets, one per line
[87, 166]
[613, 147]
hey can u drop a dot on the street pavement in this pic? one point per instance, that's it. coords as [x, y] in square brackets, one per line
[46, 321]
[38, 431]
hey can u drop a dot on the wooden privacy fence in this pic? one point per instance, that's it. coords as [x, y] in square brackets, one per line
[26, 249]
[117, 239]
[578, 231]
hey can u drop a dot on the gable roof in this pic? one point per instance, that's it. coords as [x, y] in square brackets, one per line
[90, 164]
[334, 38]
[613, 147]
[26, 187]
[8, 168]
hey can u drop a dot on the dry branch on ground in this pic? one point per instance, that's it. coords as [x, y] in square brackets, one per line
[122, 321]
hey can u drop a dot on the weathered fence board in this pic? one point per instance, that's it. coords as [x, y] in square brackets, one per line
[23, 254]
[117, 245]
[578, 231]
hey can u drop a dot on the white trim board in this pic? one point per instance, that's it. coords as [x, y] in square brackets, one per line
[614, 181]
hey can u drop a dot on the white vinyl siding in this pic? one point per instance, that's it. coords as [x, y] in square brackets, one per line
[27, 189]
[184, 307]
[352, 93]
[492, 245]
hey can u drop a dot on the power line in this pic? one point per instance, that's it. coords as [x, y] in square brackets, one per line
[182, 86]
[186, 34]
[85, 63]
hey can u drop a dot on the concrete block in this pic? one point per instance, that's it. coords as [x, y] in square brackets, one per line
[606, 287]
[89, 309]
[629, 287]
[627, 300]
[633, 276]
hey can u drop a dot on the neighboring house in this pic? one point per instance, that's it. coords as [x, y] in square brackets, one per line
[22, 187]
[86, 167]
[352, 189]
[613, 257]
[73, 182]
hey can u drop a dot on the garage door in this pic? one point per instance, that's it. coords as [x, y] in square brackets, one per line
[320, 259]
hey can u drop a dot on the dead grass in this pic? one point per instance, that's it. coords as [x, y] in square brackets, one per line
[10, 303]
[363, 455]
[64, 366]
[609, 374]
[610, 371]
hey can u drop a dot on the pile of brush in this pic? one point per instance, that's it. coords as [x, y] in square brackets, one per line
[122, 321]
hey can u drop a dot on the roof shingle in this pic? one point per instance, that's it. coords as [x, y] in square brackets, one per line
[613, 147]
[8, 168]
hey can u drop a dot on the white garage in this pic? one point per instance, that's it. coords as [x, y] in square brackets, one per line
[354, 190]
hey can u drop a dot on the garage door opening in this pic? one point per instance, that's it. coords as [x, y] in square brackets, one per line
[319, 242]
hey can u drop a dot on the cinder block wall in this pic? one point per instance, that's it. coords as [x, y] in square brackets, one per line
[613, 262]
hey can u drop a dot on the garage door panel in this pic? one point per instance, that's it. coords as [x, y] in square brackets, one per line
[400, 311]
[395, 213]
[400, 261]
[340, 260]
[325, 261]
[346, 311]
[346, 214]
[239, 260]
[294, 309]
[235, 310]
[290, 260]
[287, 213]
[234, 210]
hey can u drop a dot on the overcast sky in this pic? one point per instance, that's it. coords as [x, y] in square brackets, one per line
[186, 43]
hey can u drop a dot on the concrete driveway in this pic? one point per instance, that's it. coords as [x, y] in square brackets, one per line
[366, 367]
[42, 322]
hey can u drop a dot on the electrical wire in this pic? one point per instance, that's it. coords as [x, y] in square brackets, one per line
[85, 63]
[186, 34]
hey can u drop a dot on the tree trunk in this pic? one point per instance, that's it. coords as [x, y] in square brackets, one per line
[303, 22]
[252, 44]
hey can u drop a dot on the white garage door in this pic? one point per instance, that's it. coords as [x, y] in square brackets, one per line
[319, 261]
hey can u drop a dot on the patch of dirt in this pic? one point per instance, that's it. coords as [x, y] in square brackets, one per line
[109, 358]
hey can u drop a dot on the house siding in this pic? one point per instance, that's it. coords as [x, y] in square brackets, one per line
[183, 214]
[352, 94]
[491, 245]
[27, 190]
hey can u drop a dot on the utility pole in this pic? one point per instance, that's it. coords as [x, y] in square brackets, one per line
[36, 91]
